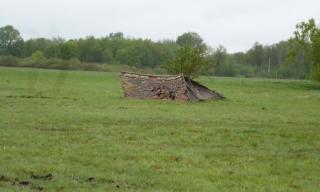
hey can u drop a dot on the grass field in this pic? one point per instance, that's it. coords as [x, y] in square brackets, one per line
[74, 131]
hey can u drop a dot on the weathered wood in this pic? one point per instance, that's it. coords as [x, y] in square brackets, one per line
[170, 87]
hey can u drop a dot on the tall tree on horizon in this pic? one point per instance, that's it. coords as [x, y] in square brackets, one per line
[10, 40]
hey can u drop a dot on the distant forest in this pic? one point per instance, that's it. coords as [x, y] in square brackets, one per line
[285, 59]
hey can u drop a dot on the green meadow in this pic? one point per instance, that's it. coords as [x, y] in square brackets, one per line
[74, 131]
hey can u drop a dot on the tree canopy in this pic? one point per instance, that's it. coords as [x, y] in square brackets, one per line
[10, 40]
[190, 55]
[307, 36]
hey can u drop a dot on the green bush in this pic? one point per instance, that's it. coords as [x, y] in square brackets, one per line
[245, 70]
[286, 72]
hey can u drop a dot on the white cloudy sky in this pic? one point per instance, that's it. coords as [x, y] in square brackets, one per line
[236, 24]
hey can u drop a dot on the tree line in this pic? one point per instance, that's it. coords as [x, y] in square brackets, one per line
[297, 57]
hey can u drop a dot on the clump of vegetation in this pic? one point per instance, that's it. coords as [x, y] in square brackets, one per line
[190, 56]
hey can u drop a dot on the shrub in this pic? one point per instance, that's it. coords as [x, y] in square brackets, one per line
[9, 61]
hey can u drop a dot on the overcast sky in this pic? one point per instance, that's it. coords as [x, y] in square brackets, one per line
[235, 24]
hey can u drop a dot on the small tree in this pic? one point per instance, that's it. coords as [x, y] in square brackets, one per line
[190, 56]
[189, 61]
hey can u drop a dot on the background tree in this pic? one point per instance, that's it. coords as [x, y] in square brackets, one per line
[69, 50]
[10, 41]
[256, 57]
[316, 55]
[36, 44]
[219, 59]
[307, 36]
[190, 39]
[90, 50]
[107, 55]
